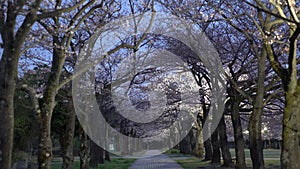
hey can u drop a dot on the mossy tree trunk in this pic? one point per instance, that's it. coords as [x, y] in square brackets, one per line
[291, 131]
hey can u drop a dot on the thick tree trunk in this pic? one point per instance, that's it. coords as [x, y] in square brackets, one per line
[192, 142]
[124, 143]
[216, 156]
[199, 139]
[238, 134]
[8, 75]
[208, 150]
[12, 38]
[207, 143]
[186, 144]
[290, 153]
[107, 156]
[84, 149]
[199, 144]
[96, 155]
[68, 138]
[255, 139]
[224, 144]
[45, 146]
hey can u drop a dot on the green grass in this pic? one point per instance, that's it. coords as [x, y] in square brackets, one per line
[270, 156]
[196, 163]
[268, 153]
[192, 163]
[115, 163]
[172, 151]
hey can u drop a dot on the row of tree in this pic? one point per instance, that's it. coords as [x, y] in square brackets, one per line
[257, 42]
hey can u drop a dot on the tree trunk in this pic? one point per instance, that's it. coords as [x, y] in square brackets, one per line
[199, 139]
[186, 144]
[290, 152]
[8, 75]
[68, 138]
[208, 150]
[224, 144]
[255, 140]
[192, 142]
[84, 149]
[124, 143]
[207, 143]
[238, 134]
[45, 146]
[107, 156]
[96, 155]
[216, 157]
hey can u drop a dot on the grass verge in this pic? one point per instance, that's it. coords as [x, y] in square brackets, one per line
[115, 163]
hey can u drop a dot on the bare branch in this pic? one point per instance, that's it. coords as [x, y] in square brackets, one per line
[236, 87]
[268, 12]
[59, 11]
[292, 10]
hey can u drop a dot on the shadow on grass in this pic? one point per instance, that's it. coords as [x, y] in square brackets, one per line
[115, 163]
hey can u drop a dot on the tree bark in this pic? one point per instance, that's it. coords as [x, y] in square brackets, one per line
[238, 134]
[290, 152]
[96, 155]
[45, 146]
[186, 144]
[255, 139]
[107, 156]
[208, 150]
[224, 144]
[124, 143]
[8, 75]
[12, 41]
[68, 138]
[84, 149]
[216, 156]
[207, 143]
[199, 139]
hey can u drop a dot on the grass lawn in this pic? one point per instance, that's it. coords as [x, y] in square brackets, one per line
[271, 160]
[192, 163]
[115, 163]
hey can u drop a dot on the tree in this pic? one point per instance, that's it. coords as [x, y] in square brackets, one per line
[279, 26]
[63, 125]
[16, 20]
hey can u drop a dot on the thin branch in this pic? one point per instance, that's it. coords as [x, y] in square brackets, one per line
[269, 12]
[292, 10]
[59, 11]
[236, 87]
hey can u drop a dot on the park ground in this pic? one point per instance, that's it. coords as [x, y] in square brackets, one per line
[271, 156]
